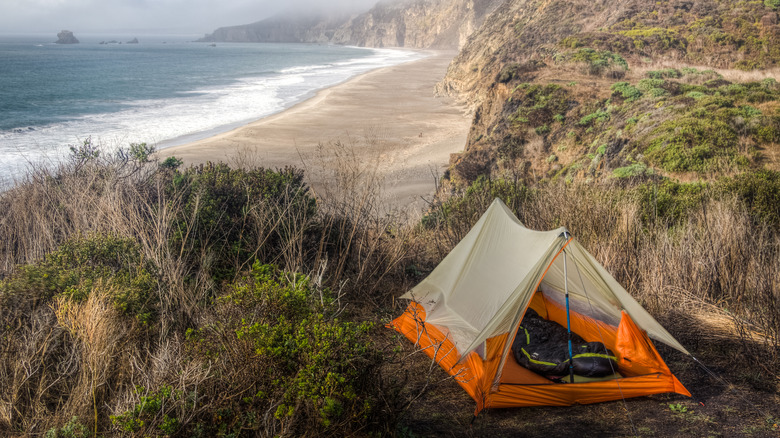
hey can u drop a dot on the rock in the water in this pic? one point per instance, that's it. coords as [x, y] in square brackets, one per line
[133, 41]
[66, 37]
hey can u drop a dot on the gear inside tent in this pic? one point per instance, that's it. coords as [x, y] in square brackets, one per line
[471, 315]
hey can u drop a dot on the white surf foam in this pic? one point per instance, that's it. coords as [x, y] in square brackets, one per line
[192, 115]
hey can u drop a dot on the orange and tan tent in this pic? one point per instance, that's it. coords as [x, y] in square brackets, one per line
[465, 315]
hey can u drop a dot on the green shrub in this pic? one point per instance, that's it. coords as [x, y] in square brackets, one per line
[224, 209]
[695, 94]
[465, 209]
[769, 83]
[598, 61]
[84, 152]
[657, 92]
[538, 105]
[151, 412]
[668, 201]
[649, 84]
[281, 343]
[507, 73]
[759, 190]
[633, 170]
[171, 163]
[712, 103]
[72, 429]
[657, 38]
[665, 73]
[627, 91]
[768, 131]
[693, 144]
[748, 64]
[81, 263]
[542, 130]
[749, 111]
[141, 152]
[673, 202]
[598, 117]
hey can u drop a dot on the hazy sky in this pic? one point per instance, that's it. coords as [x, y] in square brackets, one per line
[181, 16]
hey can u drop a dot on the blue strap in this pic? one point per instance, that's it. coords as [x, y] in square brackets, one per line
[568, 328]
[568, 313]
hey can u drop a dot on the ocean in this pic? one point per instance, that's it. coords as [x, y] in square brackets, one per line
[164, 91]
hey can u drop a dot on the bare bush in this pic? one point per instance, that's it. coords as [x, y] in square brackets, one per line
[103, 344]
[362, 237]
[710, 277]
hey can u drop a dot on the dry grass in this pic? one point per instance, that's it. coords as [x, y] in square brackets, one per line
[101, 349]
[732, 75]
[718, 265]
[371, 235]
[64, 357]
[29, 372]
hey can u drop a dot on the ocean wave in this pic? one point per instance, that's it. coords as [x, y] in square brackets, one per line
[190, 114]
[305, 68]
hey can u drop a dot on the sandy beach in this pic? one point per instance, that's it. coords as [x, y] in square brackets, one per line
[386, 122]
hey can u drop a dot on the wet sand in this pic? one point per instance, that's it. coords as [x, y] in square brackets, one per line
[386, 122]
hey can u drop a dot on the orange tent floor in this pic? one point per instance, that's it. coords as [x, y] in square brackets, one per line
[643, 369]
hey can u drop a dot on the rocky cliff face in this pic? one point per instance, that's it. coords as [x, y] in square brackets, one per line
[585, 88]
[520, 31]
[66, 37]
[439, 24]
[597, 88]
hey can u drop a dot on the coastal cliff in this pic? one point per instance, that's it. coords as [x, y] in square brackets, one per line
[434, 24]
[587, 90]
[581, 89]
[439, 24]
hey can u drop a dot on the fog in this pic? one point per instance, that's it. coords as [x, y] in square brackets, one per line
[151, 16]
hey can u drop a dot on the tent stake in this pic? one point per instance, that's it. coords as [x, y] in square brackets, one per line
[568, 317]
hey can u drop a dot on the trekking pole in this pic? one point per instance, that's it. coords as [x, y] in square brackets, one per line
[568, 315]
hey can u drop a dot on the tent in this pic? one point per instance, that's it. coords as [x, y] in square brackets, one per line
[465, 314]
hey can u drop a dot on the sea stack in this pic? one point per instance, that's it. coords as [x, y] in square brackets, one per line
[66, 37]
[133, 41]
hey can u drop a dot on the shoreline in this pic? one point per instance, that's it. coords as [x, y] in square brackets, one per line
[386, 121]
[194, 137]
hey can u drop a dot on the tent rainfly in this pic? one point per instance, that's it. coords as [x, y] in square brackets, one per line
[465, 314]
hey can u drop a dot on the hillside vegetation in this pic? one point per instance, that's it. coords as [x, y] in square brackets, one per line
[216, 301]
[142, 298]
[670, 88]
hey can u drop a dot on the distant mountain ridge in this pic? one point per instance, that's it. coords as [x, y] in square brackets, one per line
[420, 24]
